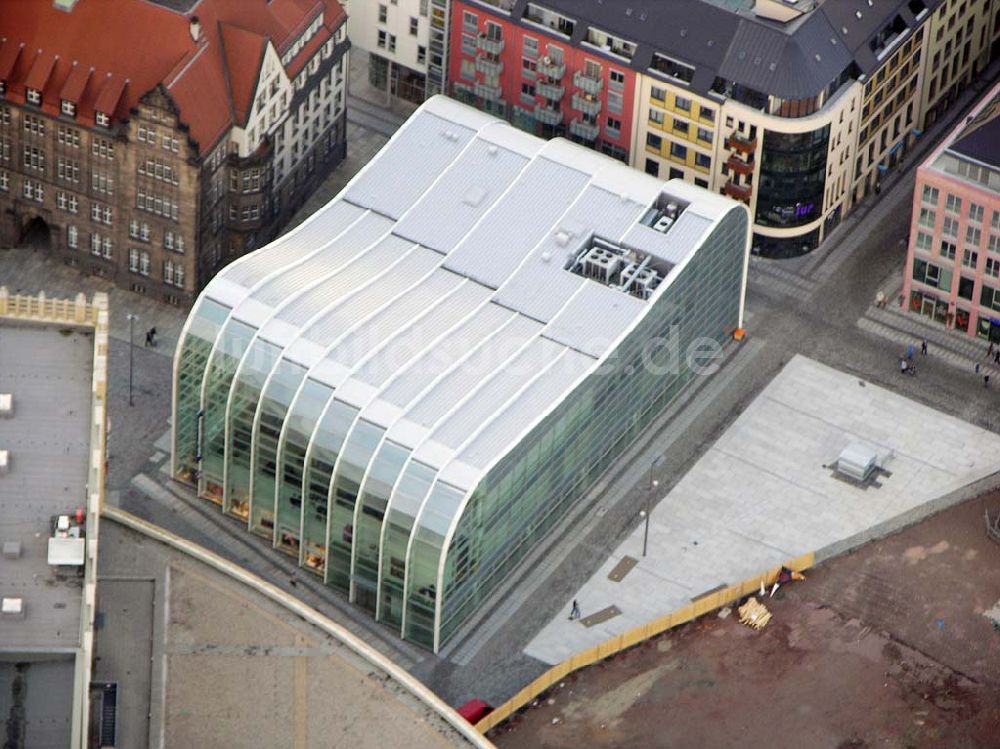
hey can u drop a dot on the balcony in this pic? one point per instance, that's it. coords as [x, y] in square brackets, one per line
[551, 69]
[739, 166]
[587, 84]
[586, 104]
[487, 92]
[553, 91]
[548, 115]
[489, 46]
[738, 142]
[489, 66]
[740, 192]
[584, 130]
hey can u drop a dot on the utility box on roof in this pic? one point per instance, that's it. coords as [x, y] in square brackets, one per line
[6, 405]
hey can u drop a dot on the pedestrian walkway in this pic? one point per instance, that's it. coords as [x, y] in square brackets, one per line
[765, 493]
[27, 271]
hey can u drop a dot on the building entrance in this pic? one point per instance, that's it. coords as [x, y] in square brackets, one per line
[35, 234]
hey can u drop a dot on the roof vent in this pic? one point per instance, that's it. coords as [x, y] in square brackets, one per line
[12, 608]
[11, 549]
[818, 58]
[195, 28]
[6, 405]
[628, 11]
[546, 257]
[562, 238]
[492, 150]
[4, 462]
[858, 14]
[474, 196]
[684, 32]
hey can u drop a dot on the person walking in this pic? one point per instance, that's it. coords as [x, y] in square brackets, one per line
[909, 352]
[986, 381]
[149, 339]
[574, 613]
[977, 367]
[989, 351]
[996, 356]
[903, 365]
[923, 347]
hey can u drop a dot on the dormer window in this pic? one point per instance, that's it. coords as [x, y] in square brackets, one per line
[69, 108]
[3, 87]
[102, 119]
[34, 96]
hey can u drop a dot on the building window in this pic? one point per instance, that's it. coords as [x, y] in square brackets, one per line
[34, 158]
[615, 101]
[658, 94]
[614, 127]
[470, 21]
[975, 213]
[103, 148]
[530, 46]
[68, 136]
[973, 236]
[924, 241]
[414, 25]
[133, 260]
[992, 267]
[990, 297]
[929, 195]
[144, 263]
[392, 42]
[683, 104]
[970, 258]
[706, 113]
[927, 218]
[654, 141]
[34, 96]
[72, 237]
[680, 126]
[702, 160]
[948, 249]
[678, 151]
[69, 108]
[4, 181]
[383, 13]
[652, 167]
[953, 204]
[33, 190]
[949, 227]
[616, 79]
[34, 125]
[382, 36]
[102, 119]
[705, 136]
[421, 55]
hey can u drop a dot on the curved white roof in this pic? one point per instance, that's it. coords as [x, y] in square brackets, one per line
[433, 293]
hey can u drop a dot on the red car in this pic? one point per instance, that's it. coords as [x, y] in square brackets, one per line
[475, 710]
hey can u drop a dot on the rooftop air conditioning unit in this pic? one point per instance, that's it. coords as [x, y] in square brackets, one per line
[12, 608]
[4, 461]
[6, 405]
[663, 223]
[857, 462]
[601, 263]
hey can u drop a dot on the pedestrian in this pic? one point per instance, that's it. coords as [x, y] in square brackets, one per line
[989, 351]
[923, 348]
[903, 365]
[986, 381]
[574, 613]
[977, 367]
[152, 337]
[996, 356]
[149, 339]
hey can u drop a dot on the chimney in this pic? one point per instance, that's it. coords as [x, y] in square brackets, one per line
[195, 28]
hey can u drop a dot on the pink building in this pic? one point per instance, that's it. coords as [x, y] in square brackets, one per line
[953, 261]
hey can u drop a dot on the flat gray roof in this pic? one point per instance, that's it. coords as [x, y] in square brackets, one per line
[49, 372]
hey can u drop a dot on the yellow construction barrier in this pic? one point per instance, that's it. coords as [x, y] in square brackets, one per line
[710, 602]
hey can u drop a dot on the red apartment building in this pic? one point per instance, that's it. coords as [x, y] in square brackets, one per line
[545, 73]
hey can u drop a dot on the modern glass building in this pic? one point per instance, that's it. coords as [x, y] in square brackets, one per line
[407, 391]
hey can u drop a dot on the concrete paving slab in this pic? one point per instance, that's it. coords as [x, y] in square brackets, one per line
[765, 493]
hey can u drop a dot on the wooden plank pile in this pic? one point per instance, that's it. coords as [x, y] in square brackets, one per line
[754, 614]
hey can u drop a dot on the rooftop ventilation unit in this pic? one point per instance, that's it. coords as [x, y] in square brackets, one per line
[4, 461]
[602, 264]
[638, 279]
[857, 462]
[11, 549]
[12, 608]
[6, 405]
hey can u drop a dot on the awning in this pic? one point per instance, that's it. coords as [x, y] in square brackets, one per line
[896, 147]
[883, 168]
[917, 131]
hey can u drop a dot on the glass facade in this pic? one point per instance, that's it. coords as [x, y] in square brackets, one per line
[353, 500]
[792, 177]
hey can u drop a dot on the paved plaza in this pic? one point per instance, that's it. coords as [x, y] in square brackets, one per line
[765, 493]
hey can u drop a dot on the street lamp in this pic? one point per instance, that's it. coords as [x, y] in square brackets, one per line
[131, 345]
[653, 483]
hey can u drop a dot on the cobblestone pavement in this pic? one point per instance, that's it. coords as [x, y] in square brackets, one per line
[811, 306]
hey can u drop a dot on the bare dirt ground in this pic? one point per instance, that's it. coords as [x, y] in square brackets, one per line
[886, 647]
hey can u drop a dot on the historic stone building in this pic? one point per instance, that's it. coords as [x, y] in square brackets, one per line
[153, 142]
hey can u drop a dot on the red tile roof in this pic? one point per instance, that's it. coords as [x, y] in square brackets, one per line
[144, 45]
[244, 54]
